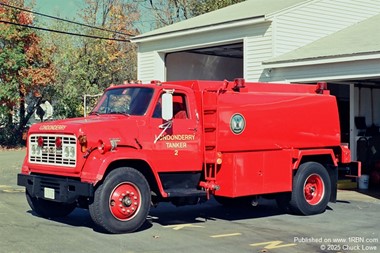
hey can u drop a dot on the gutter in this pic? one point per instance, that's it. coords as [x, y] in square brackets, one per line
[199, 29]
[321, 60]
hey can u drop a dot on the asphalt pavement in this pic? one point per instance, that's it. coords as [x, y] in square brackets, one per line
[350, 225]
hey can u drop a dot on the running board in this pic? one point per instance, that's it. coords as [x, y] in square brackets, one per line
[184, 192]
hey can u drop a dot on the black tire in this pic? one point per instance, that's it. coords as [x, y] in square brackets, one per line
[311, 189]
[49, 209]
[122, 202]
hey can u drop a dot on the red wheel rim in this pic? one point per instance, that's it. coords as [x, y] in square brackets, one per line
[314, 189]
[125, 201]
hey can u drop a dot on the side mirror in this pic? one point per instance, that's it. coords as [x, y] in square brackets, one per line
[167, 106]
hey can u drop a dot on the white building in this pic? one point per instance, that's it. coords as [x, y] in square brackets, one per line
[336, 41]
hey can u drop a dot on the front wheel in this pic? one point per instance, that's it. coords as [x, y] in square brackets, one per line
[311, 189]
[122, 203]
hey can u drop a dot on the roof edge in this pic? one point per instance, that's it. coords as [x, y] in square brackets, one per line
[322, 60]
[200, 29]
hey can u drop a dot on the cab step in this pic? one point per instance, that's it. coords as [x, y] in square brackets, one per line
[184, 192]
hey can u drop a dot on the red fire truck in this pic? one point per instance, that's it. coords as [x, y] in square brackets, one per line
[184, 141]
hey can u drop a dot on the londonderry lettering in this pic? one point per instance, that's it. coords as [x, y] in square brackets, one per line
[178, 137]
[177, 141]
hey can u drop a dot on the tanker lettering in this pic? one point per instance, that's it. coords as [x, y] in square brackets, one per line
[176, 144]
[179, 140]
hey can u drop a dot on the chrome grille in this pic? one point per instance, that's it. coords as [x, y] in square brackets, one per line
[49, 153]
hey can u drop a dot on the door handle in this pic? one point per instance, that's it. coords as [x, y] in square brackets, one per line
[193, 129]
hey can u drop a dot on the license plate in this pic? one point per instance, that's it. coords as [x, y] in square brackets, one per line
[49, 193]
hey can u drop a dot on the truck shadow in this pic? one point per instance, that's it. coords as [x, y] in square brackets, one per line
[78, 218]
[167, 214]
[373, 192]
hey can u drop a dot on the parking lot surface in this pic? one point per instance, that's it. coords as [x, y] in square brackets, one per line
[350, 225]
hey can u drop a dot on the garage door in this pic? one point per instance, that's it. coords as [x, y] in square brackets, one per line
[211, 63]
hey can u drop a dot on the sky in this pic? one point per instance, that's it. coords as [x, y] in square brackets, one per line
[68, 9]
[61, 8]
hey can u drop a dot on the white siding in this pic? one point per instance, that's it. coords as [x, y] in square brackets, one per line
[257, 48]
[198, 40]
[290, 29]
[149, 68]
[328, 72]
[145, 66]
[307, 23]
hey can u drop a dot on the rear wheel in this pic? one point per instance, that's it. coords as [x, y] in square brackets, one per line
[121, 204]
[49, 209]
[311, 189]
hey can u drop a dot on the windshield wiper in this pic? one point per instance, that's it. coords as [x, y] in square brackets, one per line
[122, 113]
[94, 113]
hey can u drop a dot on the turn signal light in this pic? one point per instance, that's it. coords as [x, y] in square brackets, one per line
[83, 143]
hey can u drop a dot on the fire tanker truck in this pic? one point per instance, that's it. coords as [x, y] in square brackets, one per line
[183, 142]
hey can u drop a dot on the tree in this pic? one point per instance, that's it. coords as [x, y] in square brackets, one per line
[25, 70]
[203, 6]
[168, 12]
[87, 65]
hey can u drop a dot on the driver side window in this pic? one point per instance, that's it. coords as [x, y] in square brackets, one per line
[180, 110]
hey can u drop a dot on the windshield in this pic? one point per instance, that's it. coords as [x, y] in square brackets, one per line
[129, 101]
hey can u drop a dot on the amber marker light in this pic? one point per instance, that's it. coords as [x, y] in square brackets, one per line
[83, 143]
[219, 160]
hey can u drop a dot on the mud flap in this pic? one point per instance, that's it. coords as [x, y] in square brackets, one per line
[350, 170]
[333, 173]
[354, 170]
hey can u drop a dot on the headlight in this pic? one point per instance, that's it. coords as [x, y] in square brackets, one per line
[35, 150]
[72, 152]
[68, 152]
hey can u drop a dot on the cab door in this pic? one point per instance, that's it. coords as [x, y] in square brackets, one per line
[176, 143]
